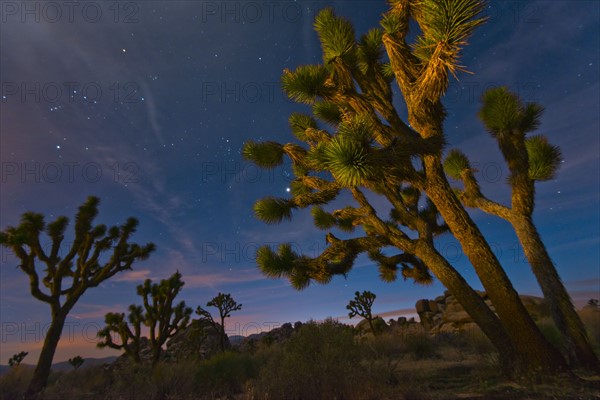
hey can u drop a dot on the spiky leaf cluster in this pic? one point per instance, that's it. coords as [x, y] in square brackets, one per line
[273, 210]
[306, 83]
[456, 163]
[503, 113]
[336, 35]
[407, 264]
[544, 158]
[265, 154]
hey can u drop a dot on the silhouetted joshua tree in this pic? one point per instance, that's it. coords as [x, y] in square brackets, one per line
[158, 314]
[226, 305]
[16, 359]
[65, 278]
[361, 306]
[76, 362]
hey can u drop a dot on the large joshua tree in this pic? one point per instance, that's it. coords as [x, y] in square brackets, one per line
[158, 314]
[373, 148]
[63, 279]
[530, 159]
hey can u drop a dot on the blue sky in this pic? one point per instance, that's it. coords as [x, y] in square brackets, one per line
[147, 106]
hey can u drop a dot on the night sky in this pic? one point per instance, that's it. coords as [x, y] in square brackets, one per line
[147, 104]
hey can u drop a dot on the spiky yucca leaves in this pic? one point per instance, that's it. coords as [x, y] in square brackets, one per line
[544, 158]
[348, 160]
[265, 154]
[273, 210]
[323, 220]
[408, 264]
[300, 123]
[300, 270]
[456, 163]
[328, 112]
[307, 83]
[503, 113]
[336, 35]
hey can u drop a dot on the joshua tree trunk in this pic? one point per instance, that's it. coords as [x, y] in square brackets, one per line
[42, 370]
[536, 352]
[556, 295]
[472, 302]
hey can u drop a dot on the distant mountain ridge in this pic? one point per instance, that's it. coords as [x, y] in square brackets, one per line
[65, 366]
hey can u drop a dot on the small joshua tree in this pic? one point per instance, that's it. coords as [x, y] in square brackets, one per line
[95, 254]
[225, 304]
[158, 314]
[361, 306]
[16, 359]
[76, 362]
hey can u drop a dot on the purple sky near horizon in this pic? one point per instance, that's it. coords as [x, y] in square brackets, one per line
[147, 105]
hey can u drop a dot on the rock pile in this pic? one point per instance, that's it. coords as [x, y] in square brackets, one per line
[445, 314]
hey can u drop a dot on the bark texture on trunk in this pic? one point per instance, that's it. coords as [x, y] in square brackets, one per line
[473, 304]
[42, 370]
[563, 313]
[535, 351]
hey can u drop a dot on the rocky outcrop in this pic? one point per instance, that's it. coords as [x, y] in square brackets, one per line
[200, 340]
[379, 325]
[275, 335]
[445, 314]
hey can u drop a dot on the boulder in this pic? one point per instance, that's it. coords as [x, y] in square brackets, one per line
[200, 340]
[446, 314]
[378, 323]
[422, 306]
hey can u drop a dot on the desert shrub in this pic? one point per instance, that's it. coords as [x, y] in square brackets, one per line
[590, 317]
[14, 382]
[173, 380]
[225, 374]
[551, 332]
[320, 361]
[420, 346]
[81, 383]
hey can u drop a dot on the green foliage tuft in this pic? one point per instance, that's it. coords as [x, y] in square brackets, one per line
[450, 21]
[456, 163]
[336, 35]
[323, 220]
[300, 123]
[544, 158]
[306, 83]
[348, 161]
[328, 112]
[273, 264]
[273, 210]
[500, 111]
[265, 154]
[504, 113]
[370, 50]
